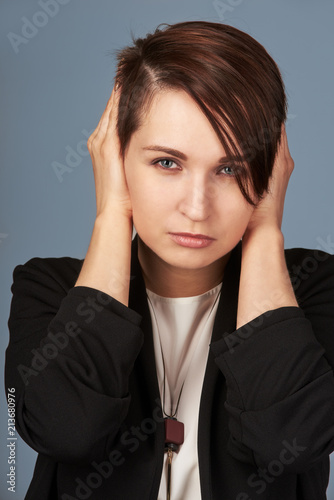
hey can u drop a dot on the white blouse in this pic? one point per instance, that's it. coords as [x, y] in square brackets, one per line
[182, 330]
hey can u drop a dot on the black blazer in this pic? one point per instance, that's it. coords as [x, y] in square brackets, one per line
[87, 397]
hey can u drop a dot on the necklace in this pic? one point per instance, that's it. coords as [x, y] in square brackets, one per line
[174, 435]
[174, 429]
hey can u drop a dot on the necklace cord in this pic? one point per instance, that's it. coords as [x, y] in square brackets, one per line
[163, 360]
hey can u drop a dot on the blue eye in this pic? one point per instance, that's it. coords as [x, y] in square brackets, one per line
[228, 170]
[165, 163]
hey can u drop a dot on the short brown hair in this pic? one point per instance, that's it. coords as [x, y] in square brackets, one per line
[230, 75]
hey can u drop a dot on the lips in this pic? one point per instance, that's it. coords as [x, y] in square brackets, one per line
[191, 240]
[191, 235]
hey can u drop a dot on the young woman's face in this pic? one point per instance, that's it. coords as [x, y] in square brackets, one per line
[180, 184]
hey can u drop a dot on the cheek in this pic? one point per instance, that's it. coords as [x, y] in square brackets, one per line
[144, 196]
[148, 195]
[148, 204]
[235, 213]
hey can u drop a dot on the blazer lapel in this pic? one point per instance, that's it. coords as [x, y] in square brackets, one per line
[138, 302]
[225, 322]
[146, 367]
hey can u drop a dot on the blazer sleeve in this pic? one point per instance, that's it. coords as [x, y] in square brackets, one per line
[279, 375]
[69, 358]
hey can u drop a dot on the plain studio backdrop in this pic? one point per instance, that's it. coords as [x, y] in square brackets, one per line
[56, 78]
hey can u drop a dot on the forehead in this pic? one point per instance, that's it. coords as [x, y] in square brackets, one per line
[175, 120]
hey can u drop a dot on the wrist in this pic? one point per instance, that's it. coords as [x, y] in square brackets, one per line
[264, 235]
[114, 207]
[113, 216]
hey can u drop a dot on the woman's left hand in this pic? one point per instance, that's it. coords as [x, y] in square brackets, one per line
[264, 280]
[269, 211]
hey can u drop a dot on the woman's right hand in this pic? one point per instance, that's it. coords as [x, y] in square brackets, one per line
[106, 266]
[104, 148]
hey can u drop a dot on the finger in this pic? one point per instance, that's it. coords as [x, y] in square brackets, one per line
[107, 114]
[111, 125]
[281, 139]
[104, 120]
[282, 152]
[284, 138]
[286, 146]
[284, 163]
[97, 130]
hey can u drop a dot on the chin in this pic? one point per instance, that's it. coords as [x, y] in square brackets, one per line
[188, 258]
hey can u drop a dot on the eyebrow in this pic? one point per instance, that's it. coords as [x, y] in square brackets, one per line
[177, 153]
[165, 149]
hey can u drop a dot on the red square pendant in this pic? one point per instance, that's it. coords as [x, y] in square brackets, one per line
[174, 431]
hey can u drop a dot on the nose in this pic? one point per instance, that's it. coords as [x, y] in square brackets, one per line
[195, 202]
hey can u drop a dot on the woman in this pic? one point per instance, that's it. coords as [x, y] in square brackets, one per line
[195, 361]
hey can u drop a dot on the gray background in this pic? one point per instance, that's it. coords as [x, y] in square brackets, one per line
[57, 84]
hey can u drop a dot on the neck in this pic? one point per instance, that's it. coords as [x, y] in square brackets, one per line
[170, 281]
